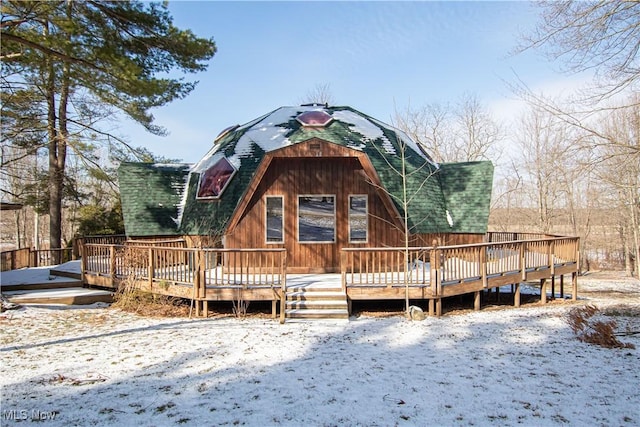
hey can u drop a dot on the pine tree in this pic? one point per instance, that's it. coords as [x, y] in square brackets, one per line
[83, 61]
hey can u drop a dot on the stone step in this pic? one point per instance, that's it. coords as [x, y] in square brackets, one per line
[316, 314]
[65, 296]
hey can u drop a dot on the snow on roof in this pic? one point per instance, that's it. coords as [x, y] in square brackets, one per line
[270, 132]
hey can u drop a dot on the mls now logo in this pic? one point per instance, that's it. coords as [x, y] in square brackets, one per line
[23, 415]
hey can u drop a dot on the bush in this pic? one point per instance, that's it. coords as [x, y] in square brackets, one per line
[591, 330]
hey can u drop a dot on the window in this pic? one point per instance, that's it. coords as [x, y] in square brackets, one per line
[215, 179]
[275, 219]
[316, 219]
[358, 219]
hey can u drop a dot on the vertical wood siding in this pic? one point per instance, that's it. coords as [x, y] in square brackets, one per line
[317, 167]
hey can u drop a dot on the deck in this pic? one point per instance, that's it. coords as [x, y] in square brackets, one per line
[424, 273]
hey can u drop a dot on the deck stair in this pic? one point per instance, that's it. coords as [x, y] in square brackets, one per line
[309, 302]
[44, 285]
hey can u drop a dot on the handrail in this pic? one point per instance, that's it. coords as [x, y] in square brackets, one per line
[440, 266]
[26, 257]
[204, 267]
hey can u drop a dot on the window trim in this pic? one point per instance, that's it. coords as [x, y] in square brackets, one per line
[224, 187]
[304, 242]
[366, 219]
[266, 219]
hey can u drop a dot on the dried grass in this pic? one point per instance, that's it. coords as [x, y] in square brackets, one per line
[587, 324]
[128, 298]
[131, 299]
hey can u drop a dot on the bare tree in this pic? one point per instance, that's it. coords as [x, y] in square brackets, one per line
[620, 172]
[542, 147]
[320, 94]
[600, 36]
[463, 132]
[477, 133]
[431, 127]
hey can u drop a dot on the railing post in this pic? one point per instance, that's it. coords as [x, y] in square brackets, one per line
[83, 262]
[283, 295]
[483, 266]
[343, 271]
[433, 274]
[150, 268]
[523, 262]
[196, 278]
[202, 288]
[435, 280]
[552, 264]
[112, 263]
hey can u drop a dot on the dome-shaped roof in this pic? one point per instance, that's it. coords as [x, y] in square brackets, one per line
[289, 125]
[202, 199]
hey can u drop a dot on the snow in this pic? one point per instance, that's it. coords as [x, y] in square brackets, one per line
[27, 276]
[95, 365]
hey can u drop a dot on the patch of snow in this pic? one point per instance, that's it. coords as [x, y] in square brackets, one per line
[31, 275]
[183, 201]
[449, 219]
[364, 127]
[407, 141]
[102, 367]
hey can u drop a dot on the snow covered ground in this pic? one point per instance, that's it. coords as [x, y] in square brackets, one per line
[99, 366]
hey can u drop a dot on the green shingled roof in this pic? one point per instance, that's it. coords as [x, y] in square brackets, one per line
[467, 191]
[444, 198]
[151, 196]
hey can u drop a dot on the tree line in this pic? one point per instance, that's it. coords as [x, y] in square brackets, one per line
[69, 67]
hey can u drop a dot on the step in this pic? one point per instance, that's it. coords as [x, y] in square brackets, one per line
[316, 314]
[34, 278]
[314, 289]
[318, 305]
[65, 296]
[306, 296]
[59, 283]
[64, 273]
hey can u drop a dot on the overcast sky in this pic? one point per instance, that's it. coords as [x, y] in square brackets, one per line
[377, 57]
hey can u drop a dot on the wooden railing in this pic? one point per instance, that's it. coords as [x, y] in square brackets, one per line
[385, 266]
[15, 259]
[26, 257]
[436, 267]
[509, 236]
[164, 243]
[201, 268]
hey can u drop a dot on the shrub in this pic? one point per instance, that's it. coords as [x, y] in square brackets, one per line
[592, 330]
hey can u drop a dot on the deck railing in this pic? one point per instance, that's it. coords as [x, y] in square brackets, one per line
[26, 257]
[385, 266]
[435, 267]
[201, 268]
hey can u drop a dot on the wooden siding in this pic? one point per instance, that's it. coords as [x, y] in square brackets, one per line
[322, 168]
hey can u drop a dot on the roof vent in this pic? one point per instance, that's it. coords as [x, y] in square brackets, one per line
[224, 132]
[314, 118]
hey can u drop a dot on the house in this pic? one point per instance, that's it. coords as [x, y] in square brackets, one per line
[312, 179]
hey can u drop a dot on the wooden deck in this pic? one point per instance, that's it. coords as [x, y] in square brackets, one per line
[424, 273]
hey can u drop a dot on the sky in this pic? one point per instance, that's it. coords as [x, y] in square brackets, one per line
[377, 57]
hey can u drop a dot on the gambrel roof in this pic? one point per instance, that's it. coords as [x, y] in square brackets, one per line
[446, 198]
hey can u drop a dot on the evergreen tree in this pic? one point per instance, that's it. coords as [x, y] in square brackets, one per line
[83, 61]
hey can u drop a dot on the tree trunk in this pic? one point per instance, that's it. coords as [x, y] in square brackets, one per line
[58, 138]
[55, 179]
